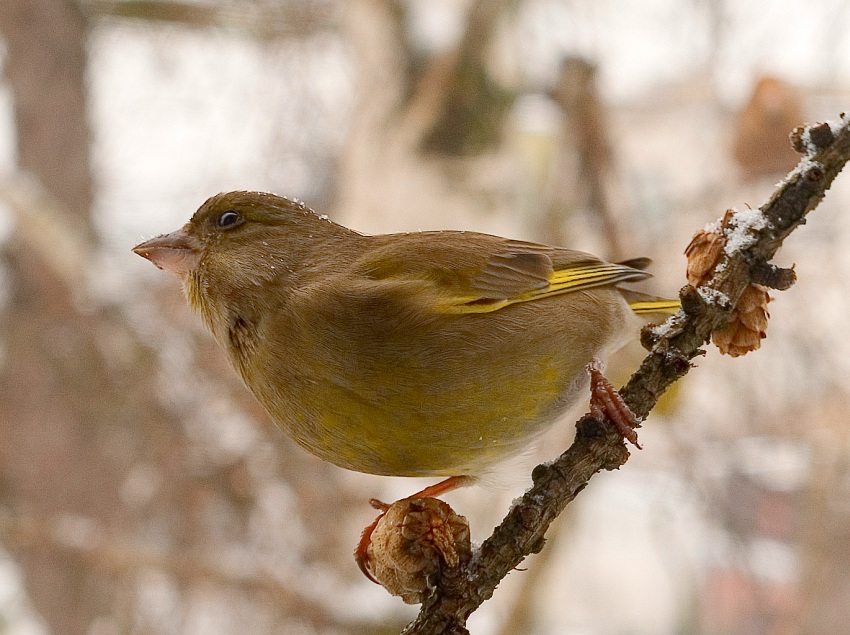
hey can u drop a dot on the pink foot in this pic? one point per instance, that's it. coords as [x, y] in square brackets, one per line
[606, 403]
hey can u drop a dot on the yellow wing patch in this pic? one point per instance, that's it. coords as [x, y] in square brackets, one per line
[572, 278]
[655, 306]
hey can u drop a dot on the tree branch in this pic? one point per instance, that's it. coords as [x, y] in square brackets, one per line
[752, 237]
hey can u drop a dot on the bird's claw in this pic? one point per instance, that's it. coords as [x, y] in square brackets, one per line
[606, 403]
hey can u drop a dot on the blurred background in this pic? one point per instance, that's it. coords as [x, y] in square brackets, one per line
[142, 491]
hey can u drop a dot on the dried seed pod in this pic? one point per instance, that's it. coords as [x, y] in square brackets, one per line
[747, 323]
[414, 540]
[704, 251]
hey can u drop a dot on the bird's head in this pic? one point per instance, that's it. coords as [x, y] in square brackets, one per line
[241, 248]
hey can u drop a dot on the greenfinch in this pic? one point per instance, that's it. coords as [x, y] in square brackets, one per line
[434, 353]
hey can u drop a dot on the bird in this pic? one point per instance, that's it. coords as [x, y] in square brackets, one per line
[419, 354]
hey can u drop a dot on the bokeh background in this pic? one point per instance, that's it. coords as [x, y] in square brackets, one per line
[142, 491]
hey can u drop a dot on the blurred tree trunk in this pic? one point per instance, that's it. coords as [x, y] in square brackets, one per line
[583, 173]
[473, 105]
[425, 144]
[70, 432]
[45, 67]
[47, 461]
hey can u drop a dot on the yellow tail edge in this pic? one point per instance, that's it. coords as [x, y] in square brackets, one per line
[668, 307]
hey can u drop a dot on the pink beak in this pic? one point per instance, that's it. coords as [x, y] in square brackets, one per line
[177, 252]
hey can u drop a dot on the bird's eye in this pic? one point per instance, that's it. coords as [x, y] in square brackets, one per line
[229, 218]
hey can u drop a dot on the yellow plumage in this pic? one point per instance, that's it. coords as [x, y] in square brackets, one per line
[421, 354]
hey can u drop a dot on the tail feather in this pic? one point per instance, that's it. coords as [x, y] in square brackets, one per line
[644, 304]
[666, 307]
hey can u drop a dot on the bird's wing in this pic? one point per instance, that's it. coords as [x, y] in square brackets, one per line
[480, 273]
[521, 276]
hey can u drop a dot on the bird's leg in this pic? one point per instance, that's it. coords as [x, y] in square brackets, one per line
[361, 555]
[606, 402]
[443, 487]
